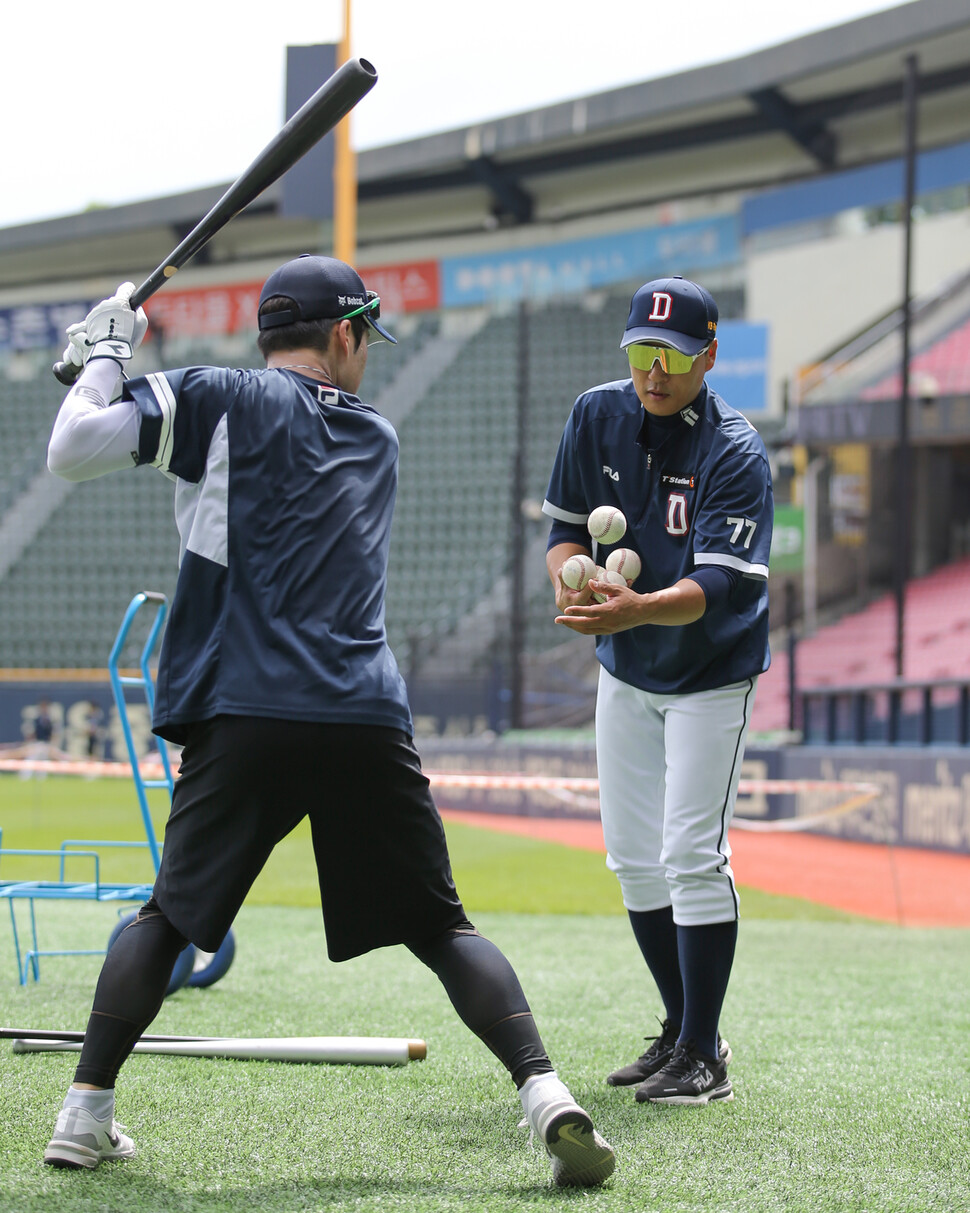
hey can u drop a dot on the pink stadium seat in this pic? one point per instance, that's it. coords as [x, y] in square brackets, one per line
[861, 648]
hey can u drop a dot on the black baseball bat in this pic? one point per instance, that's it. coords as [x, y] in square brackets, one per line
[334, 99]
[47, 1034]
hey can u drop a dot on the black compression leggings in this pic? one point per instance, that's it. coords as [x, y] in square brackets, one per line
[486, 993]
[130, 992]
[478, 979]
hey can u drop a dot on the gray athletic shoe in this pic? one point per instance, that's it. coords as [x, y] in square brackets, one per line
[580, 1157]
[688, 1078]
[81, 1140]
[656, 1057]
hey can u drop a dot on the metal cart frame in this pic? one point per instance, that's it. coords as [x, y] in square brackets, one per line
[75, 849]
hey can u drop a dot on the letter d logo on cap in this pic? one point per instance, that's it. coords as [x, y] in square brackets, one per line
[662, 303]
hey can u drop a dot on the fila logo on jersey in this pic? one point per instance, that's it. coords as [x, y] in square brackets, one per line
[608, 471]
[662, 303]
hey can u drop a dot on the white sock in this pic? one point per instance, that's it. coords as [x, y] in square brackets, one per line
[101, 1104]
[550, 1081]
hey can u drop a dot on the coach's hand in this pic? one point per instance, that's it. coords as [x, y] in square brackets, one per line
[566, 597]
[678, 604]
[622, 609]
[112, 329]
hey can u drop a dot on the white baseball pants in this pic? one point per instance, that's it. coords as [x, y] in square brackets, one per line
[669, 767]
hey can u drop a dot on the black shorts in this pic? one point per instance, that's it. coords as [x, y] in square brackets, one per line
[245, 782]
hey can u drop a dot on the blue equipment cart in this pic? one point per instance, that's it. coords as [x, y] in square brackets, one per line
[200, 969]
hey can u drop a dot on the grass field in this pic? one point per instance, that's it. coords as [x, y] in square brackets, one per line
[851, 1069]
[493, 871]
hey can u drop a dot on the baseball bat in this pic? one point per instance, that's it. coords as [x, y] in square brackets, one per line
[334, 99]
[49, 1034]
[337, 1050]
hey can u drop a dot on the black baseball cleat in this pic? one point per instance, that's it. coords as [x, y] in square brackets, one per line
[656, 1057]
[689, 1077]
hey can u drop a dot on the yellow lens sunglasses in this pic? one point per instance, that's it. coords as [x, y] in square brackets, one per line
[673, 362]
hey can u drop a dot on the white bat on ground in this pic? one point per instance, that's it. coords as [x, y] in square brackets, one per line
[338, 1050]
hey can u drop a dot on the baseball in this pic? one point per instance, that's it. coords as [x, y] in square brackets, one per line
[577, 571]
[624, 561]
[610, 576]
[606, 524]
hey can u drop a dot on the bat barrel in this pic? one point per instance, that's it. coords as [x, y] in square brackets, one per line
[332, 101]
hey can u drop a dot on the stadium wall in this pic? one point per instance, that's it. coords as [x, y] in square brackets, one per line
[924, 797]
[68, 700]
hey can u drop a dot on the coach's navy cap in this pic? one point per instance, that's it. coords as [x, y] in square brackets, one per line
[674, 312]
[320, 288]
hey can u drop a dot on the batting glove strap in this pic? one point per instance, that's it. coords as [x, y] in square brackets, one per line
[116, 348]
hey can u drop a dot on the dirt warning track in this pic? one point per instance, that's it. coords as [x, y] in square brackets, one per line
[910, 886]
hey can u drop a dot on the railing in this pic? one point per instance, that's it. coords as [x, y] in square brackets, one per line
[888, 713]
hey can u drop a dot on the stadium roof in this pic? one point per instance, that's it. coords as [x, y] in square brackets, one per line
[800, 110]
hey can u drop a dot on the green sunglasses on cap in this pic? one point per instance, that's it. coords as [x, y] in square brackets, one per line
[373, 306]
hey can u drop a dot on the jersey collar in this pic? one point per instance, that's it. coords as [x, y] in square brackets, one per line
[656, 431]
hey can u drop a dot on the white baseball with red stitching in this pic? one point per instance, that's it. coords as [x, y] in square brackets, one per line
[624, 561]
[577, 571]
[606, 524]
[611, 577]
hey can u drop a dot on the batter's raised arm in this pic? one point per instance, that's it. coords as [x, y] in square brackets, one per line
[91, 436]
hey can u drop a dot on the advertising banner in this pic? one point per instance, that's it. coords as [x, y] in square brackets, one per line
[577, 265]
[740, 373]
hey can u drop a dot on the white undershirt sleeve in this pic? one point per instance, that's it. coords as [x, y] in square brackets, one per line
[91, 436]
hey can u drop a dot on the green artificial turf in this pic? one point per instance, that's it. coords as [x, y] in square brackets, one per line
[851, 1071]
[493, 871]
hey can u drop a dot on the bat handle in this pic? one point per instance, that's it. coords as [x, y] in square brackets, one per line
[66, 372]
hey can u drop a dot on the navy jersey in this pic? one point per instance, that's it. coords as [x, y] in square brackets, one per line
[695, 490]
[284, 494]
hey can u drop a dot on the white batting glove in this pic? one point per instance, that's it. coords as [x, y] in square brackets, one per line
[112, 329]
[77, 348]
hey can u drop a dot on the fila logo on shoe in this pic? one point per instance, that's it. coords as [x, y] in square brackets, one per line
[702, 1078]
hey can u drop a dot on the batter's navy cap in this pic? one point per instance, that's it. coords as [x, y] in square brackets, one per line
[674, 312]
[320, 288]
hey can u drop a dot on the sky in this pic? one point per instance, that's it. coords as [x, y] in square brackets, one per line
[103, 106]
